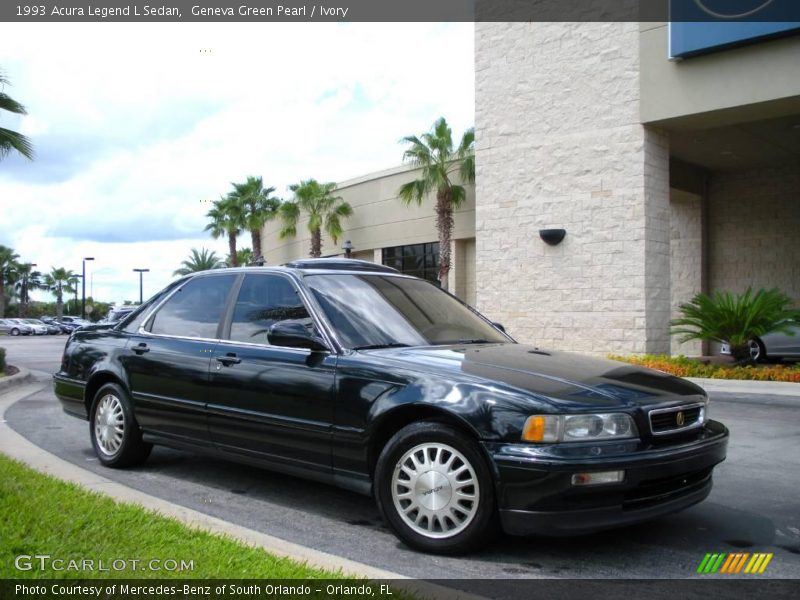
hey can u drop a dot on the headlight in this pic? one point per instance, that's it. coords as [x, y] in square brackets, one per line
[579, 428]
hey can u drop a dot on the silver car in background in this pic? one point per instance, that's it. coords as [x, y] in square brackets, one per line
[11, 327]
[773, 346]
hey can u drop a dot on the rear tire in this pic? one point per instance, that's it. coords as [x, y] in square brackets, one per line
[435, 490]
[757, 351]
[116, 436]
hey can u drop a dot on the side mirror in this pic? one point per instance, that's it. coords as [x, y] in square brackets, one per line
[294, 335]
[500, 327]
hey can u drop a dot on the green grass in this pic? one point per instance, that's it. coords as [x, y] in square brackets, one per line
[43, 515]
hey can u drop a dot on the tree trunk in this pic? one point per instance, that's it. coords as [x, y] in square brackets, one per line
[2, 297]
[741, 355]
[316, 243]
[255, 235]
[232, 249]
[59, 305]
[444, 224]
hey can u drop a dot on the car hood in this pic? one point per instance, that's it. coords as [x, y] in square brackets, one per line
[561, 376]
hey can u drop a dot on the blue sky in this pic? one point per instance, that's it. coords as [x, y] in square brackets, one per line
[137, 126]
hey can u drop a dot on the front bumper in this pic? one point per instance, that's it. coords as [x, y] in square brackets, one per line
[536, 496]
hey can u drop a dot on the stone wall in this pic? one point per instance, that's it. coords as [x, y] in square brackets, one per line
[686, 247]
[754, 232]
[560, 145]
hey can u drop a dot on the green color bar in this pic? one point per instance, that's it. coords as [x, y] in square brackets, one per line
[703, 563]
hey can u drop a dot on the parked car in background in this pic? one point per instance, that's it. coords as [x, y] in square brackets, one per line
[353, 374]
[11, 327]
[70, 323]
[773, 346]
[36, 328]
[48, 328]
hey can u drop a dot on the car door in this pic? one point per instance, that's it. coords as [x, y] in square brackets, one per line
[167, 362]
[270, 402]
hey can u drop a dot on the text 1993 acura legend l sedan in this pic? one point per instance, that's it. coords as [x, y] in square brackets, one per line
[350, 373]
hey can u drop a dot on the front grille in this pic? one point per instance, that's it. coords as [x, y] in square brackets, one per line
[676, 419]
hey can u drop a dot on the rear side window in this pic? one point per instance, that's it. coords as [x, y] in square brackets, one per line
[263, 301]
[194, 310]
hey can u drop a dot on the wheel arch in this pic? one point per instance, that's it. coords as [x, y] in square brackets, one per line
[399, 417]
[96, 381]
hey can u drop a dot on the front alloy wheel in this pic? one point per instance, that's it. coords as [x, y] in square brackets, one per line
[434, 489]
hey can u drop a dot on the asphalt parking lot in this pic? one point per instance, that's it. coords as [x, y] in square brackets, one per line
[754, 506]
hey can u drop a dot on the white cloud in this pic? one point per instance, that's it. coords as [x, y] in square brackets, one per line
[134, 125]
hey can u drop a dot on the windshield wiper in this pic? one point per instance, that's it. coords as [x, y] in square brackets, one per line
[466, 341]
[379, 346]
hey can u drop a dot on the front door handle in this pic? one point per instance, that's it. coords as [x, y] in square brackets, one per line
[141, 348]
[229, 359]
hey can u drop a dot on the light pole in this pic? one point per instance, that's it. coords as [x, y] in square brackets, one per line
[83, 287]
[140, 271]
[348, 249]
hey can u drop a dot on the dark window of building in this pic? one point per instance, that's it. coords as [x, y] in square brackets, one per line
[263, 301]
[195, 309]
[419, 260]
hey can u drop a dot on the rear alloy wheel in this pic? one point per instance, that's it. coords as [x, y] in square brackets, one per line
[434, 489]
[115, 434]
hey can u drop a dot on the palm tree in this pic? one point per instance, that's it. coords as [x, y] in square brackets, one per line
[325, 211]
[25, 280]
[8, 263]
[57, 281]
[227, 219]
[11, 140]
[439, 161]
[203, 260]
[257, 206]
[735, 319]
[243, 257]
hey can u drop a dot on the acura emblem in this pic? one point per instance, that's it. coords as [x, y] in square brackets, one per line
[679, 418]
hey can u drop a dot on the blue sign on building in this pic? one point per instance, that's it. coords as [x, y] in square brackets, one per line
[702, 26]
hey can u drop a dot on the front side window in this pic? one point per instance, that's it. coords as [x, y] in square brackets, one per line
[195, 309]
[263, 301]
[384, 310]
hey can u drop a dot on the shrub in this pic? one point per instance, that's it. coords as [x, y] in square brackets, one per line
[686, 367]
[735, 319]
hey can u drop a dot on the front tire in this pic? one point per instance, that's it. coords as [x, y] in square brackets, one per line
[14, 331]
[116, 437]
[435, 490]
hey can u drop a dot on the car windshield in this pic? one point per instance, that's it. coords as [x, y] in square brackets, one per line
[378, 311]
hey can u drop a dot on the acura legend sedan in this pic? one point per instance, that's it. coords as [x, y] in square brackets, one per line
[350, 373]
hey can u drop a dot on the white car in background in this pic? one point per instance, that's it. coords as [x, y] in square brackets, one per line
[36, 329]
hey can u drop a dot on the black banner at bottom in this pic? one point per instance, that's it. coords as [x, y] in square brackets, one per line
[398, 589]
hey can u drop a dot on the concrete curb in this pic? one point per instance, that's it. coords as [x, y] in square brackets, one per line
[22, 377]
[16, 446]
[739, 386]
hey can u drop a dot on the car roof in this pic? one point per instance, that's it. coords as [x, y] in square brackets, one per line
[310, 265]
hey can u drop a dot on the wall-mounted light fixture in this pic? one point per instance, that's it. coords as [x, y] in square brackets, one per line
[552, 236]
[348, 249]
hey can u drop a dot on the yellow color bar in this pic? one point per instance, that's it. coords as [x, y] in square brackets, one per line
[765, 563]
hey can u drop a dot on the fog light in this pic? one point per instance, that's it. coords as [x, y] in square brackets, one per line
[598, 478]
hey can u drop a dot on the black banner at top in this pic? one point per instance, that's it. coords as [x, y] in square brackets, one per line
[399, 10]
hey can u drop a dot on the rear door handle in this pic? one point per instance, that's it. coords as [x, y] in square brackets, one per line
[141, 348]
[229, 359]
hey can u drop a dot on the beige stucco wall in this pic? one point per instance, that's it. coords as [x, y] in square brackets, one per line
[686, 251]
[701, 89]
[560, 145]
[754, 219]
